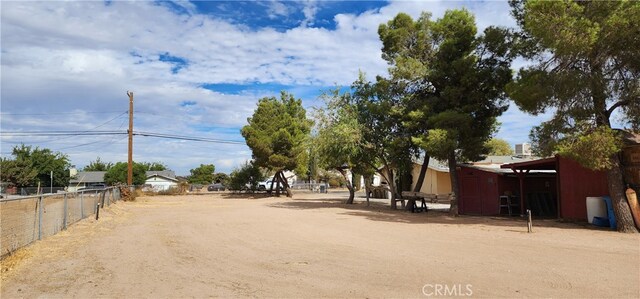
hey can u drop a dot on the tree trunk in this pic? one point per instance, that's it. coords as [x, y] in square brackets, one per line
[455, 186]
[621, 207]
[285, 185]
[273, 180]
[349, 186]
[392, 185]
[367, 188]
[277, 181]
[423, 174]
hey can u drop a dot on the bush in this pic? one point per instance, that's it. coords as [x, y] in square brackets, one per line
[246, 177]
[170, 191]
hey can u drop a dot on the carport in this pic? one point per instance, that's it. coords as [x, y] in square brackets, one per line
[574, 184]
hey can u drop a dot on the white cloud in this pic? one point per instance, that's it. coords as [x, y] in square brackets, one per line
[277, 9]
[309, 10]
[84, 55]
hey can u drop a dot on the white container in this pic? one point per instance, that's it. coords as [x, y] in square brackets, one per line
[596, 207]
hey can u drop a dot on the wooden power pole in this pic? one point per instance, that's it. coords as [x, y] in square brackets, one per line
[130, 165]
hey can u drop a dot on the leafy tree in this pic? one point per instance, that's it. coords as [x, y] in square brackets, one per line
[499, 147]
[338, 141]
[248, 174]
[154, 166]
[585, 68]
[387, 142]
[277, 134]
[452, 83]
[221, 177]
[118, 173]
[98, 165]
[44, 161]
[18, 172]
[202, 174]
[408, 48]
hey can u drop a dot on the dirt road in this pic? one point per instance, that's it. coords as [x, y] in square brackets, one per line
[313, 246]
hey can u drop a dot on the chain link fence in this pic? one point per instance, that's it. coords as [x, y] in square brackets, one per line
[27, 219]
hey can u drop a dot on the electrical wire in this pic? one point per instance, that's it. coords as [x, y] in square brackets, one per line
[56, 113]
[61, 133]
[135, 133]
[188, 138]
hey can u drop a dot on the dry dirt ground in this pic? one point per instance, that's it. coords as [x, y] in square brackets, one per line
[219, 245]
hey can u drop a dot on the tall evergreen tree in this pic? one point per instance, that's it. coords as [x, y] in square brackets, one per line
[278, 133]
[455, 81]
[586, 68]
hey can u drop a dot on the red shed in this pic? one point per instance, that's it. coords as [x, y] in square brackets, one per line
[553, 187]
[481, 188]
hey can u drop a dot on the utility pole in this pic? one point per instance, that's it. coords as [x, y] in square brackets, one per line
[130, 165]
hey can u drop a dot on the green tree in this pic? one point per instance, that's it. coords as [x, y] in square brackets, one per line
[451, 83]
[118, 173]
[154, 166]
[44, 161]
[221, 177]
[98, 165]
[338, 142]
[202, 174]
[387, 145]
[246, 176]
[499, 147]
[18, 172]
[408, 48]
[585, 68]
[278, 133]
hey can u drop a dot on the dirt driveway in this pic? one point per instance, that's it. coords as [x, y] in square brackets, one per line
[314, 246]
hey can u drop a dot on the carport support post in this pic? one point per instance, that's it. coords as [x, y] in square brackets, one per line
[521, 174]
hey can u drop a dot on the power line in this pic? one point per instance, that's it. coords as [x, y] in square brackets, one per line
[53, 113]
[61, 133]
[108, 142]
[99, 133]
[188, 138]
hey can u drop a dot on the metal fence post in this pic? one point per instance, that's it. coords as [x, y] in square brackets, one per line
[40, 218]
[81, 205]
[64, 218]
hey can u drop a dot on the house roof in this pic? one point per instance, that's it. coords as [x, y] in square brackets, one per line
[164, 173]
[631, 138]
[88, 177]
[433, 163]
[98, 176]
[162, 176]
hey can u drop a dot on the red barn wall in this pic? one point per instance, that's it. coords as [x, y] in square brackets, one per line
[576, 184]
[478, 192]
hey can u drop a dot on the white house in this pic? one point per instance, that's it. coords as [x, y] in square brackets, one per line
[84, 179]
[161, 180]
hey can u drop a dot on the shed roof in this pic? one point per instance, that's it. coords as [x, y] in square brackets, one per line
[540, 164]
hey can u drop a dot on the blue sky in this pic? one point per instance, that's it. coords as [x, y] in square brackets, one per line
[196, 69]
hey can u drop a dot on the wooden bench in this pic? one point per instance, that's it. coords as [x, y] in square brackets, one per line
[414, 197]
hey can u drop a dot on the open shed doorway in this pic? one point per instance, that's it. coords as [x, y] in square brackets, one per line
[481, 190]
[568, 192]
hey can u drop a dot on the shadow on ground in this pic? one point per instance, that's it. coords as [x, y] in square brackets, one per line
[381, 212]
